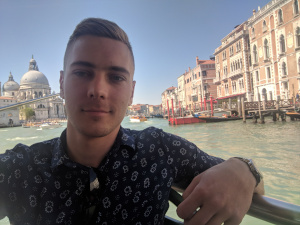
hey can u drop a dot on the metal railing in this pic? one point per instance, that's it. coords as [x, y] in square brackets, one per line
[18, 104]
[262, 207]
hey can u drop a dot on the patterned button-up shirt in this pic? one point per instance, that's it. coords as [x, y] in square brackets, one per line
[40, 184]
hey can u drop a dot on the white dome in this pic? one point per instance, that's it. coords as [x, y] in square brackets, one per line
[34, 77]
[11, 86]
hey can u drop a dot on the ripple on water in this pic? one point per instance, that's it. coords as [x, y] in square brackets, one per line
[22, 138]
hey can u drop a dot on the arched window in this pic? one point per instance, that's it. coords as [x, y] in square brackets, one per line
[255, 54]
[296, 9]
[264, 25]
[282, 43]
[266, 47]
[253, 32]
[280, 17]
[283, 67]
[298, 36]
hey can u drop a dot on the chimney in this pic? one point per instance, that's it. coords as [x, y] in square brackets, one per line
[197, 58]
[253, 11]
[189, 69]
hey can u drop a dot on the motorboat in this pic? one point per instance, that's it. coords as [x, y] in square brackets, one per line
[138, 119]
[50, 125]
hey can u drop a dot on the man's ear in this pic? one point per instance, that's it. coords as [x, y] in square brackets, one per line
[61, 83]
[132, 93]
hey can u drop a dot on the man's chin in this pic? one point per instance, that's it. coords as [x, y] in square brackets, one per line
[98, 132]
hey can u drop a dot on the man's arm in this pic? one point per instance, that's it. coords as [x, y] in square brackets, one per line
[222, 193]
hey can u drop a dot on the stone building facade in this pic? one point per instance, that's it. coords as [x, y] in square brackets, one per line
[196, 85]
[274, 33]
[9, 117]
[261, 57]
[34, 84]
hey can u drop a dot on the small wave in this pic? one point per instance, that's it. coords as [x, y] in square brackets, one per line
[3, 130]
[21, 138]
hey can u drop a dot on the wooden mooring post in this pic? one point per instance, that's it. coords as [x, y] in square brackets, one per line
[262, 118]
[243, 109]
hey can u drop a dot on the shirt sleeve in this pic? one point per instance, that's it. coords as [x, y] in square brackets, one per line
[188, 159]
[11, 167]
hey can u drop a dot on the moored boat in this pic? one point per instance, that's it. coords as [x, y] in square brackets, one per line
[208, 119]
[138, 119]
[293, 114]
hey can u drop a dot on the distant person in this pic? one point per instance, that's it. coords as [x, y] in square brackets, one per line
[98, 172]
[297, 97]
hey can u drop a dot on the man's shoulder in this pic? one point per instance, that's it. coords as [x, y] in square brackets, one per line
[145, 131]
[36, 151]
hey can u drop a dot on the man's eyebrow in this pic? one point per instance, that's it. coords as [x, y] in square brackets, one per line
[118, 69]
[110, 68]
[83, 63]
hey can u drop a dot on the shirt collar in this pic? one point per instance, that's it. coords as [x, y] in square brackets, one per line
[60, 156]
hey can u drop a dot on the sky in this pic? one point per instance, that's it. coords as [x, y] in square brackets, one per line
[166, 35]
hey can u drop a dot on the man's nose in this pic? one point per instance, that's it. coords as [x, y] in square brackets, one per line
[98, 87]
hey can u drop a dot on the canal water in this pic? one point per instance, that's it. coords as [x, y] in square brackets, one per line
[275, 147]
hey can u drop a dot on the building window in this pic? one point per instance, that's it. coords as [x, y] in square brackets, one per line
[224, 55]
[253, 32]
[266, 47]
[280, 17]
[264, 26]
[233, 86]
[282, 43]
[199, 74]
[299, 67]
[283, 66]
[298, 36]
[231, 50]
[268, 72]
[255, 54]
[257, 76]
[296, 9]
[203, 73]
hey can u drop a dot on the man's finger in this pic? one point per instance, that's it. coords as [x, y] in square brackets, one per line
[191, 186]
[204, 215]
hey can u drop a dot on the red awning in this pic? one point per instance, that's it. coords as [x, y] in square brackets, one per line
[231, 96]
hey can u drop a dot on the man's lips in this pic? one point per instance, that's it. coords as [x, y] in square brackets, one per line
[95, 111]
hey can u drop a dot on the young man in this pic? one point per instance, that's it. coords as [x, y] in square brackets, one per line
[100, 173]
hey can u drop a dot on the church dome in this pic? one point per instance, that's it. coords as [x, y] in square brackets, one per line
[34, 77]
[11, 85]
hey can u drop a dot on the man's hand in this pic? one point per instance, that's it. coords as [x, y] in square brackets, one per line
[222, 193]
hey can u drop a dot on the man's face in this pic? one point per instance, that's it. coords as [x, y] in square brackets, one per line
[97, 85]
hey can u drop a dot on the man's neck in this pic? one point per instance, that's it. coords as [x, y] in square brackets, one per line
[89, 151]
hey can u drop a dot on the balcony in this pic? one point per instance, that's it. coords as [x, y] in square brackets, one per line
[238, 72]
[217, 80]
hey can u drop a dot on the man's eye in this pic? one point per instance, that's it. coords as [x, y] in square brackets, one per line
[117, 78]
[80, 73]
